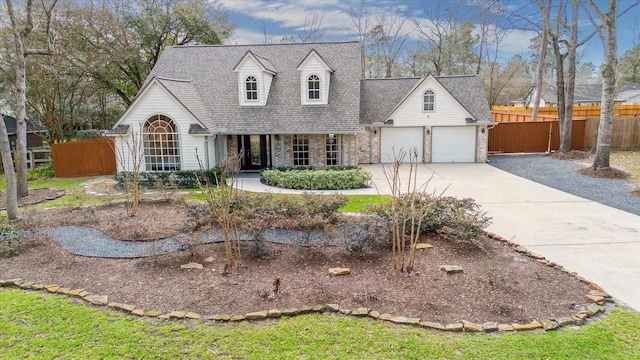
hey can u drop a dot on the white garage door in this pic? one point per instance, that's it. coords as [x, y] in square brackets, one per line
[400, 138]
[453, 144]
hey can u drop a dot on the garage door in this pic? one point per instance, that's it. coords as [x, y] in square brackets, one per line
[400, 138]
[453, 144]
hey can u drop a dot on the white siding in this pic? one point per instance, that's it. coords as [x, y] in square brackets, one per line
[314, 66]
[157, 100]
[395, 139]
[453, 144]
[251, 68]
[448, 112]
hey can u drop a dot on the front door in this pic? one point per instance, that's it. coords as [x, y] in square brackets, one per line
[255, 150]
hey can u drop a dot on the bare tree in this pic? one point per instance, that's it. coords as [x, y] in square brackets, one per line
[312, 30]
[360, 20]
[22, 28]
[607, 33]
[388, 37]
[540, 69]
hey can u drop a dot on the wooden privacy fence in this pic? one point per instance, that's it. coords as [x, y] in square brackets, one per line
[505, 116]
[624, 135]
[539, 136]
[589, 111]
[90, 157]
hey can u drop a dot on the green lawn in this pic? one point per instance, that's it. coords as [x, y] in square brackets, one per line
[39, 325]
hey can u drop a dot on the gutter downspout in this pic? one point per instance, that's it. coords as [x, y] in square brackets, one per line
[206, 151]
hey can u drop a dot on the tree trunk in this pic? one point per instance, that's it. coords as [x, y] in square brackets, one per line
[603, 147]
[21, 117]
[9, 172]
[565, 135]
[540, 76]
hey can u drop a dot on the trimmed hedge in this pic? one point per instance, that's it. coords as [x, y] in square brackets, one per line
[313, 179]
[185, 179]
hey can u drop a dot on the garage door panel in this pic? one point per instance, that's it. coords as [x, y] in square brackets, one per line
[394, 139]
[453, 144]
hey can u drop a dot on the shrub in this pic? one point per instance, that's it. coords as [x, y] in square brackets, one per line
[312, 179]
[41, 172]
[182, 178]
[10, 239]
[461, 218]
[88, 134]
[362, 233]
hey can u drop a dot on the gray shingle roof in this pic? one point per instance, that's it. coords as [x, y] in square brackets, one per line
[202, 78]
[380, 96]
[12, 126]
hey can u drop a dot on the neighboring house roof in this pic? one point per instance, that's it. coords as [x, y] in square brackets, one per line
[628, 95]
[12, 126]
[203, 80]
[381, 96]
[583, 92]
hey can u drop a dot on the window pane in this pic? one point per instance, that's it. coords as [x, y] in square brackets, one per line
[161, 144]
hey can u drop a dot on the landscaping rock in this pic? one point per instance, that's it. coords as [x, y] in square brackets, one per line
[420, 246]
[594, 309]
[333, 307]
[191, 265]
[221, 317]
[97, 299]
[235, 318]
[505, 328]
[385, 316]
[274, 313]
[564, 321]
[258, 315]
[153, 313]
[360, 311]
[318, 308]
[374, 314]
[432, 325]
[599, 293]
[75, 292]
[471, 327]
[305, 310]
[549, 324]
[177, 314]
[451, 269]
[26, 284]
[338, 271]
[289, 312]
[51, 288]
[208, 259]
[192, 315]
[490, 326]
[345, 311]
[454, 327]
[530, 326]
[138, 312]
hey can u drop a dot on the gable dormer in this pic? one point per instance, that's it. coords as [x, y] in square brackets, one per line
[255, 75]
[315, 77]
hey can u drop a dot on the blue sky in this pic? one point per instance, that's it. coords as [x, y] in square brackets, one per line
[282, 18]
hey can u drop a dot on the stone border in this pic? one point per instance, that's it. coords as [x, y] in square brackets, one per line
[596, 295]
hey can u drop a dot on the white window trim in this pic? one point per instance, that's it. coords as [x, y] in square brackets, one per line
[296, 142]
[164, 158]
[337, 151]
[433, 93]
[246, 91]
[319, 89]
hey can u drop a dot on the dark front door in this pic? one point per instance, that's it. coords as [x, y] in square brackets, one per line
[255, 150]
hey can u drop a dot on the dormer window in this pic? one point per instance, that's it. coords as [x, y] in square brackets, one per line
[429, 101]
[251, 86]
[314, 87]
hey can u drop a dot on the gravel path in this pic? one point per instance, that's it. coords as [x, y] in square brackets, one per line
[80, 240]
[561, 175]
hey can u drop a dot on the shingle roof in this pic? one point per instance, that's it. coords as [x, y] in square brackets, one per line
[202, 77]
[380, 96]
[584, 92]
[12, 126]
[469, 91]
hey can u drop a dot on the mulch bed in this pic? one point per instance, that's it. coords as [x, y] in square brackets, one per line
[498, 284]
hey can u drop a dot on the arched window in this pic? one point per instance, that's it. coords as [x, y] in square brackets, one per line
[161, 144]
[314, 87]
[251, 85]
[429, 101]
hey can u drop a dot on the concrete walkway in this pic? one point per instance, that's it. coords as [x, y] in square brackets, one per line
[598, 242]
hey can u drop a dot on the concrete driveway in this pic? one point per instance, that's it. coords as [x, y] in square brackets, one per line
[598, 242]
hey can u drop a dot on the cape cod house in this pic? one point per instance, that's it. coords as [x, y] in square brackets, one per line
[296, 105]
